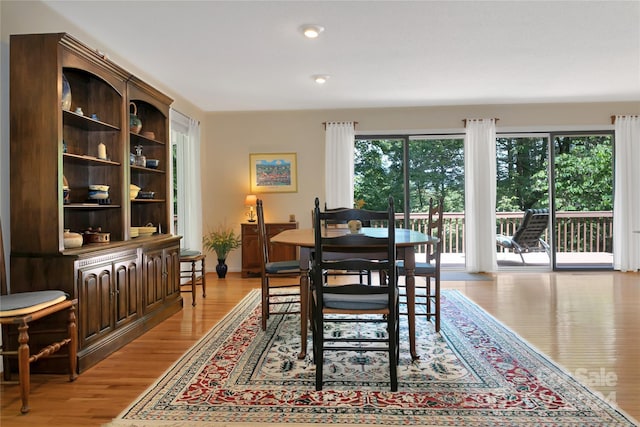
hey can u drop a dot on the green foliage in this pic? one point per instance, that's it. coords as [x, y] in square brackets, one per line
[583, 168]
[436, 167]
[222, 240]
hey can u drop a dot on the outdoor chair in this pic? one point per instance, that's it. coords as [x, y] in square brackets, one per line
[354, 303]
[276, 294]
[528, 236]
[18, 311]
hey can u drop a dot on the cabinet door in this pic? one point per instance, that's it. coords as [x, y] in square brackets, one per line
[127, 277]
[172, 270]
[277, 251]
[250, 250]
[95, 308]
[153, 262]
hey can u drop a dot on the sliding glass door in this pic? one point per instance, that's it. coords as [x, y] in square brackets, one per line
[434, 169]
[583, 200]
[522, 183]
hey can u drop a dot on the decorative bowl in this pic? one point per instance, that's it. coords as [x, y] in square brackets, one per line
[98, 187]
[133, 191]
[146, 195]
[153, 163]
[96, 237]
[98, 195]
[149, 134]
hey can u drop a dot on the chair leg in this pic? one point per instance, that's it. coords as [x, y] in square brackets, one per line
[204, 278]
[437, 304]
[24, 373]
[193, 283]
[72, 348]
[265, 303]
[393, 354]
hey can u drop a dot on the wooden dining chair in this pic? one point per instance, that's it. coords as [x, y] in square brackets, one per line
[276, 294]
[428, 295]
[328, 223]
[195, 271]
[355, 302]
[19, 311]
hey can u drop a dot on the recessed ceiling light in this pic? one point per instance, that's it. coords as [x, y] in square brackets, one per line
[320, 78]
[311, 31]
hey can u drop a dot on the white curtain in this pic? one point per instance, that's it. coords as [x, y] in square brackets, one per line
[626, 207]
[185, 133]
[480, 195]
[338, 161]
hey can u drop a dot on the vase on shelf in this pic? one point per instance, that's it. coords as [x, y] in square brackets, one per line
[221, 268]
[66, 94]
[71, 239]
[135, 124]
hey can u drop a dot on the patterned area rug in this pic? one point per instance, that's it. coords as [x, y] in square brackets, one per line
[475, 373]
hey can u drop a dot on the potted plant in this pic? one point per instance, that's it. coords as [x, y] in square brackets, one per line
[222, 240]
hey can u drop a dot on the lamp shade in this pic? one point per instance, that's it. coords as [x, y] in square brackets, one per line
[250, 200]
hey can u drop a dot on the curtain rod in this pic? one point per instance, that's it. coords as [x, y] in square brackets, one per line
[183, 115]
[325, 124]
[613, 118]
[465, 120]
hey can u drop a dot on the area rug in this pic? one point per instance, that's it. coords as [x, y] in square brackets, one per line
[474, 373]
[463, 276]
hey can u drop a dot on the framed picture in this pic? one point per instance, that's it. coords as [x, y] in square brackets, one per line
[273, 172]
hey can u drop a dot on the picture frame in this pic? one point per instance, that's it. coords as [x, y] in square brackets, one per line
[273, 172]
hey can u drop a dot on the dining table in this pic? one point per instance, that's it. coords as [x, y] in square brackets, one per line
[406, 242]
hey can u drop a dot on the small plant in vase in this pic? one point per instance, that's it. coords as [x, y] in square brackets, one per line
[222, 240]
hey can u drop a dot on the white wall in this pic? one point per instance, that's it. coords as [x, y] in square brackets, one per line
[232, 136]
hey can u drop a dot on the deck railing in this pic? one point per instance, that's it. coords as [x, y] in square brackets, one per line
[575, 231]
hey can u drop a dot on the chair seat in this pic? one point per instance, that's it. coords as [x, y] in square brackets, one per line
[21, 304]
[292, 266]
[188, 253]
[356, 302]
[504, 241]
[422, 268]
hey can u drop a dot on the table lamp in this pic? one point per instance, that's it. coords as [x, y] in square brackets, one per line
[250, 201]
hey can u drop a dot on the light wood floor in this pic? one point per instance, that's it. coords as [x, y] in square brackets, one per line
[589, 323]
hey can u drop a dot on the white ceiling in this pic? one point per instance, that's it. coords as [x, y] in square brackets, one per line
[250, 55]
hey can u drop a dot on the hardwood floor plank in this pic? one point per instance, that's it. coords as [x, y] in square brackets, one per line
[588, 323]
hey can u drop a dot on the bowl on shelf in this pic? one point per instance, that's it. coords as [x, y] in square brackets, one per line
[149, 134]
[146, 195]
[153, 163]
[98, 187]
[133, 191]
[98, 195]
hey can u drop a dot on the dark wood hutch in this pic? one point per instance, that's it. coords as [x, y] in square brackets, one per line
[130, 284]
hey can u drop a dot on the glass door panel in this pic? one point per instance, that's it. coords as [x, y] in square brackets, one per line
[583, 200]
[522, 183]
[436, 169]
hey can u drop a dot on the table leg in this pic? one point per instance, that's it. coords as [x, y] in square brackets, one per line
[409, 266]
[304, 300]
